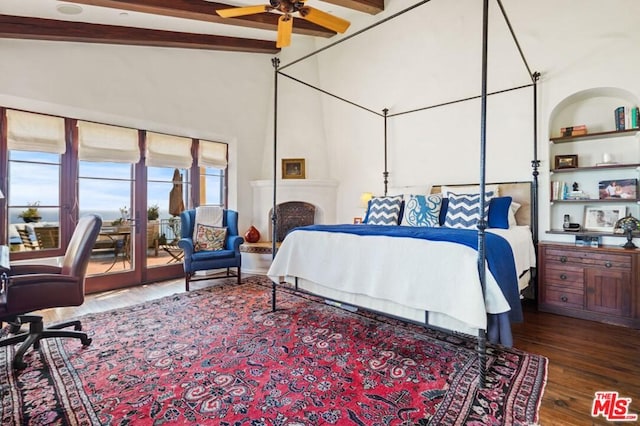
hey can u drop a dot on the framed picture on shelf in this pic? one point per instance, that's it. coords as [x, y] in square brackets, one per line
[357, 220]
[603, 218]
[625, 189]
[293, 168]
[566, 161]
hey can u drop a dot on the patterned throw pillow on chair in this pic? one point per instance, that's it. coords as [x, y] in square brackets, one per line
[210, 237]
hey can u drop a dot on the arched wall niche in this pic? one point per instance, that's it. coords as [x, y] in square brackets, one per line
[593, 107]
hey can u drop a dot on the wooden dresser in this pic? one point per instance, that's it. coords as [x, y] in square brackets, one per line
[599, 284]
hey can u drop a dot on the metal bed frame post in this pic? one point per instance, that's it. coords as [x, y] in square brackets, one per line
[535, 163]
[385, 174]
[482, 224]
[276, 63]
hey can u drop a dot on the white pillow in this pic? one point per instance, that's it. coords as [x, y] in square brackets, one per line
[513, 208]
[469, 189]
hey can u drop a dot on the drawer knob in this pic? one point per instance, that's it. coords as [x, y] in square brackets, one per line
[563, 276]
[563, 259]
[608, 264]
[564, 298]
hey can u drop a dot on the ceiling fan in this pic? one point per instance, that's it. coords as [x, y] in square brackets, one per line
[285, 24]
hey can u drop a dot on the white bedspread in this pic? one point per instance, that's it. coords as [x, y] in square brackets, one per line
[400, 276]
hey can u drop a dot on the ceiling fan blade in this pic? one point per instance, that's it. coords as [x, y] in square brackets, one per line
[285, 26]
[324, 19]
[241, 11]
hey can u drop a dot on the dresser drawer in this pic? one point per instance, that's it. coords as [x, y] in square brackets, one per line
[568, 276]
[567, 297]
[570, 257]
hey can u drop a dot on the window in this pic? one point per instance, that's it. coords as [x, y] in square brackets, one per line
[212, 159]
[35, 143]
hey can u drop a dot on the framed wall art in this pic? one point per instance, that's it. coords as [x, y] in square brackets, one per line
[603, 218]
[293, 168]
[621, 188]
[566, 161]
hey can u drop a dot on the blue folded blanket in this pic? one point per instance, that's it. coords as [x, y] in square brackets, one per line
[498, 252]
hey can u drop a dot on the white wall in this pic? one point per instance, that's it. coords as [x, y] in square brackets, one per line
[428, 56]
[432, 55]
[197, 93]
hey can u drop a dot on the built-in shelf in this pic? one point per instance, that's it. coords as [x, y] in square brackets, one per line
[597, 135]
[608, 200]
[605, 167]
[586, 232]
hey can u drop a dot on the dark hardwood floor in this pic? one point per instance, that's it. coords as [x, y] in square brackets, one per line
[584, 356]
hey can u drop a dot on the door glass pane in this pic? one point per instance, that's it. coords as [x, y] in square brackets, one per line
[34, 200]
[106, 189]
[212, 186]
[167, 189]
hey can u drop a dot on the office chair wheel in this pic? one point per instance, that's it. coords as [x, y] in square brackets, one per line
[78, 327]
[86, 341]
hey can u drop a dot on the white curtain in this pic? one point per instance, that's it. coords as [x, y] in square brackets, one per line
[101, 142]
[212, 154]
[168, 151]
[27, 131]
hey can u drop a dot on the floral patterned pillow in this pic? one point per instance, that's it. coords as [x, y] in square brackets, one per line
[210, 237]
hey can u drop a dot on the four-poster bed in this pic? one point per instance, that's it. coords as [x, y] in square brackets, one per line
[487, 276]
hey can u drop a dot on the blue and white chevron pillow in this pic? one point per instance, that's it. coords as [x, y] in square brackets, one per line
[384, 210]
[422, 210]
[463, 210]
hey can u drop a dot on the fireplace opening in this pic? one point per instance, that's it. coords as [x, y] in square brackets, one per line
[289, 215]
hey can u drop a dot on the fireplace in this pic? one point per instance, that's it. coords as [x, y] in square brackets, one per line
[320, 194]
[300, 202]
[289, 215]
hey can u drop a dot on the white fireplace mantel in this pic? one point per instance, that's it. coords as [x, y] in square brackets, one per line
[319, 192]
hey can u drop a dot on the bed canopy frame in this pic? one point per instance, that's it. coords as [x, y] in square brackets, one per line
[482, 223]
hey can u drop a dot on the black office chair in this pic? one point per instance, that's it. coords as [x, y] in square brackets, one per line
[34, 287]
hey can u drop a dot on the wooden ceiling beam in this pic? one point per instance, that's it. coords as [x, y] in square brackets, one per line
[201, 10]
[18, 27]
[372, 7]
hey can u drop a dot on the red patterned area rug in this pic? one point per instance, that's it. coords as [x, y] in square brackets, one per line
[219, 356]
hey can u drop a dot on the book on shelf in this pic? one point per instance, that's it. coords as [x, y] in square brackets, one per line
[559, 190]
[578, 130]
[568, 133]
[571, 128]
[619, 117]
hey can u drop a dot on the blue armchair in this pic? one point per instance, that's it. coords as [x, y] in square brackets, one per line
[228, 257]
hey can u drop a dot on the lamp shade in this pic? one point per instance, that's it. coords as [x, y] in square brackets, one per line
[365, 198]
